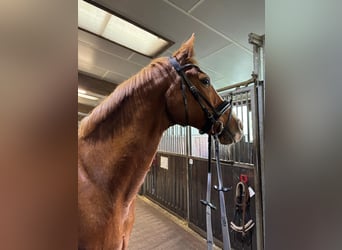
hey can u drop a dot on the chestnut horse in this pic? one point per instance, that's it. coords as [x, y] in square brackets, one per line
[118, 140]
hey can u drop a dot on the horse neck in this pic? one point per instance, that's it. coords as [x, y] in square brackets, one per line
[121, 154]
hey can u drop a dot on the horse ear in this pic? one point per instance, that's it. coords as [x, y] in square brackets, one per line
[186, 51]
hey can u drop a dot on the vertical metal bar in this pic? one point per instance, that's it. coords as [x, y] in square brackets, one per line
[183, 138]
[239, 115]
[248, 105]
[256, 60]
[233, 147]
[181, 141]
[179, 151]
[177, 138]
[180, 148]
[258, 202]
[173, 139]
[260, 91]
[170, 139]
[258, 57]
[166, 140]
[189, 170]
[242, 143]
[189, 140]
[261, 76]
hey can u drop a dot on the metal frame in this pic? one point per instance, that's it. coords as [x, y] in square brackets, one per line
[257, 98]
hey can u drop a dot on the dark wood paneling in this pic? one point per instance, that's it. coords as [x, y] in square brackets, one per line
[168, 186]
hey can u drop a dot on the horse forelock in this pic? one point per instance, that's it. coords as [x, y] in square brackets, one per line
[112, 104]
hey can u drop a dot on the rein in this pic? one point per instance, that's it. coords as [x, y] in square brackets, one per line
[221, 189]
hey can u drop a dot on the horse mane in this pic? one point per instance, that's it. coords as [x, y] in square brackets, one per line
[112, 103]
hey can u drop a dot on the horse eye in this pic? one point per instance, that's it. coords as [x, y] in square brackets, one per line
[206, 81]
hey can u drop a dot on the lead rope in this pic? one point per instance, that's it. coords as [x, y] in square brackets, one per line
[221, 190]
[207, 203]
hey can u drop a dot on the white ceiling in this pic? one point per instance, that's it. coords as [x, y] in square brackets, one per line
[221, 28]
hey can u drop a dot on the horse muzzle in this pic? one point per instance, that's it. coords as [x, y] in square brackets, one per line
[231, 134]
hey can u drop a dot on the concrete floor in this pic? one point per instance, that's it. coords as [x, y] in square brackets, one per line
[155, 228]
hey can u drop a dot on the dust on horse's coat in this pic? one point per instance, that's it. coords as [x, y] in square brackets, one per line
[118, 140]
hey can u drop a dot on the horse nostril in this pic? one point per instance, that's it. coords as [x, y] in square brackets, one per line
[240, 125]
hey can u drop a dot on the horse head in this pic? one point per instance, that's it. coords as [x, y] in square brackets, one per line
[192, 99]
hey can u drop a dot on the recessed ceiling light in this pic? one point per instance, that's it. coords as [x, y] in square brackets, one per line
[120, 31]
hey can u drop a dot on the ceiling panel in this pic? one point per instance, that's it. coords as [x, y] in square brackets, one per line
[185, 5]
[234, 18]
[168, 21]
[114, 77]
[211, 72]
[86, 53]
[140, 59]
[233, 63]
[90, 69]
[108, 61]
[102, 44]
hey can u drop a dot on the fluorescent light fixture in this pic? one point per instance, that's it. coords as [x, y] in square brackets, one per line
[81, 91]
[118, 30]
[92, 18]
[90, 97]
[85, 94]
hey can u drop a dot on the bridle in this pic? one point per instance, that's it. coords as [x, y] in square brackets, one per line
[215, 113]
[212, 118]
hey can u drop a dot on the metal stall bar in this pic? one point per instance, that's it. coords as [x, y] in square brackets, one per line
[258, 61]
[249, 124]
[239, 84]
[258, 196]
[258, 42]
[189, 163]
[240, 99]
